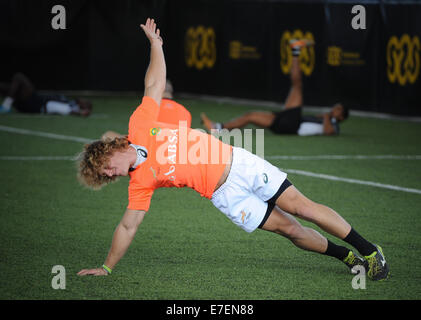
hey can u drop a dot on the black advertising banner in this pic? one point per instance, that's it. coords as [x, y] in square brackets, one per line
[241, 49]
[194, 46]
[245, 50]
[30, 44]
[350, 74]
[117, 46]
[289, 21]
[400, 59]
[366, 55]
[98, 48]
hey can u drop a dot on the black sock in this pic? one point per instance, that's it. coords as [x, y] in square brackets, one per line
[363, 246]
[336, 251]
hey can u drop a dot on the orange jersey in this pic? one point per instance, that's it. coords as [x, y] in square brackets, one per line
[177, 156]
[172, 112]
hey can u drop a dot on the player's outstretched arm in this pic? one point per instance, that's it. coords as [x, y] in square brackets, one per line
[156, 74]
[328, 128]
[123, 237]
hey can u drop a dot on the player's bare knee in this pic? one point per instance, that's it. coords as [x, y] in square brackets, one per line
[289, 228]
[299, 206]
[290, 201]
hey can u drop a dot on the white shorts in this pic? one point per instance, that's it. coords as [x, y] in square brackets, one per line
[251, 188]
[63, 108]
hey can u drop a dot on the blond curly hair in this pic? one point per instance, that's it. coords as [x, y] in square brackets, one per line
[94, 157]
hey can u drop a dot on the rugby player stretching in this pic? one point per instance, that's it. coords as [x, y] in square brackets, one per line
[250, 191]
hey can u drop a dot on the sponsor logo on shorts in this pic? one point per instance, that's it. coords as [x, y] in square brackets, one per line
[265, 178]
[244, 216]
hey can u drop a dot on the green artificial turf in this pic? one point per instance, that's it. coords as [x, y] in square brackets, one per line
[185, 248]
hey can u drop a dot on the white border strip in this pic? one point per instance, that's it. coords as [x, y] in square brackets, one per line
[348, 180]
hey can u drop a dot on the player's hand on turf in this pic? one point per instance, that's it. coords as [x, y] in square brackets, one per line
[151, 31]
[92, 272]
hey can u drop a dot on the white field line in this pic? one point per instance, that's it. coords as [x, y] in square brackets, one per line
[249, 103]
[293, 171]
[348, 180]
[44, 134]
[346, 157]
[274, 157]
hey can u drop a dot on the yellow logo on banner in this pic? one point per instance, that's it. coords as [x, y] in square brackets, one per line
[307, 56]
[334, 55]
[403, 59]
[337, 56]
[200, 47]
[237, 50]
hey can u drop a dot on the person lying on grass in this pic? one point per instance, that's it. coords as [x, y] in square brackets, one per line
[290, 120]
